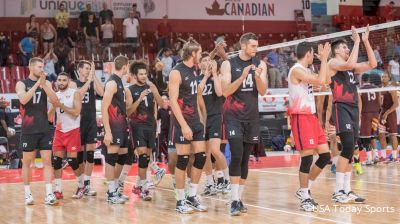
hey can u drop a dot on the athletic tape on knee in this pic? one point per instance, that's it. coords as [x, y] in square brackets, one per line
[112, 158]
[305, 164]
[73, 163]
[90, 156]
[143, 161]
[57, 162]
[348, 145]
[323, 159]
[122, 158]
[199, 160]
[80, 157]
[182, 162]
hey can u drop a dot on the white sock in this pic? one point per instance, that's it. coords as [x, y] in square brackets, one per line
[192, 189]
[27, 190]
[335, 159]
[210, 180]
[347, 179]
[339, 181]
[122, 177]
[181, 194]
[80, 181]
[49, 189]
[219, 174]
[86, 178]
[383, 153]
[305, 192]
[111, 186]
[57, 182]
[235, 192]
[369, 156]
[241, 189]
[310, 183]
[148, 175]
[226, 173]
[394, 153]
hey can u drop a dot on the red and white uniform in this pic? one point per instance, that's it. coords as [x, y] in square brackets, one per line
[306, 130]
[67, 133]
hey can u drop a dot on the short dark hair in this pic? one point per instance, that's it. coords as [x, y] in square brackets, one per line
[83, 62]
[120, 61]
[246, 37]
[188, 48]
[65, 74]
[365, 77]
[302, 49]
[391, 2]
[335, 44]
[204, 54]
[135, 66]
[35, 60]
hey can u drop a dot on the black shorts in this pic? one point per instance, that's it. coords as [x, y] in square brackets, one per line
[214, 127]
[346, 118]
[143, 137]
[30, 142]
[120, 138]
[88, 132]
[248, 131]
[197, 129]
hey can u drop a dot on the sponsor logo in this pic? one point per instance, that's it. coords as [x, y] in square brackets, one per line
[348, 126]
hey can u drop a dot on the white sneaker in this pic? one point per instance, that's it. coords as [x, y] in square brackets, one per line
[50, 199]
[340, 197]
[159, 175]
[29, 200]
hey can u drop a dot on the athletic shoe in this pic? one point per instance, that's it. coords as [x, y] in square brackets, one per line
[150, 184]
[89, 192]
[301, 196]
[369, 163]
[235, 208]
[382, 159]
[209, 191]
[113, 198]
[358, 168]
[333, 169]
[79, 193]
[340, 197]
[59, 195]
[50, 199]
[243, 209]
[227, 188]
[195, 203]
[145, 194]
[355, 198]
[307, 205]
[136, 189]
[29, 200]
[159, 175]
[120, 192]
[183, 208]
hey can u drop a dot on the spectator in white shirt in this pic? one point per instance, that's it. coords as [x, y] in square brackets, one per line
[108, 32]
[131, 31]
[378, 56]
[50, 59]
[167, 61]
[394, 69]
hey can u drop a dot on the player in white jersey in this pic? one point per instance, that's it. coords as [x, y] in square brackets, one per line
[307, 132]
[67, 134]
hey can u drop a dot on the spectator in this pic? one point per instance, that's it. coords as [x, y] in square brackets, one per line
[394, 69]
[91, 35]
[389, 13]
[378, 56]
[50, 59]
[49, 35]
[4, 47]
[62, 52]
[62, 20]
[84, 16]
[167, 61]
[26, 47]
[32, 27]
[134, 8]
[131, 31]
[4, 131]
[390, 48]
[108, 32]
[163, 34]
[283, 63]
[397, 48]
[106, 14]
[275, 77]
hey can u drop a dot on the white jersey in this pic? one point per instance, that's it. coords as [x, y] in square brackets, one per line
[301, 98]
[65, 121]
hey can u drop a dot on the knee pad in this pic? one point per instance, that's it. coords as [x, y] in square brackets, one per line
[199, 160]
[305, 164]
[73, 162]
[122, 158]
[323, 159]
[90, 156]
[80, 157]
[129, 160]
[143, 161]
[235, 166]
[182, 162]
[112, 158]
[57, 162]
[348, 145]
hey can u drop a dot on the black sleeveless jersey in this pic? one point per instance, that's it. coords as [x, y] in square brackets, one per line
[211, 100]
[187, 98]
[117, 108]
[242, 105]
[88, 111]
[144, 116]
[344, 88]
[34, 112]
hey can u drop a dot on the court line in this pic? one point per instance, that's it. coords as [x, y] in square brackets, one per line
[259, 207]
[329, 178]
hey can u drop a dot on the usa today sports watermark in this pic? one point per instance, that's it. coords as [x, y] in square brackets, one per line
[355, 209]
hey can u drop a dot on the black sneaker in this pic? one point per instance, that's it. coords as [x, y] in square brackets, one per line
[195, 203]
[209, 190]
[235, 208]
[113, 198]
[243, 209]
[307, 205]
